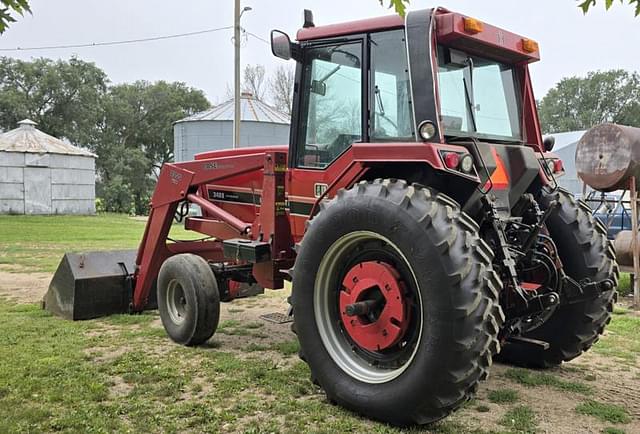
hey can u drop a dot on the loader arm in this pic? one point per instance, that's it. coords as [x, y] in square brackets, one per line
[180, 182]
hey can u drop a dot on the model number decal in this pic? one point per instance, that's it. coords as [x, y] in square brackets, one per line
[175, 176]
[319, 189]
[213, 165]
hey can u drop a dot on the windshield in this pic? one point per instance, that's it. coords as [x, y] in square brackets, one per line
[477, 97]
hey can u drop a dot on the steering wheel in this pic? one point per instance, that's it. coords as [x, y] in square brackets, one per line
[342, 142]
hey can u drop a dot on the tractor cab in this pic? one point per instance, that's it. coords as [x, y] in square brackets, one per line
[385, 78]
[436, 77]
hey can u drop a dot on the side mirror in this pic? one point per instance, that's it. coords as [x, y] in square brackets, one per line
[548, 143]
[280, 44]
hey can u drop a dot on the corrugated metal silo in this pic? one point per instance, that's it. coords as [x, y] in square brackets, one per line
[40, 174]
[213, 129]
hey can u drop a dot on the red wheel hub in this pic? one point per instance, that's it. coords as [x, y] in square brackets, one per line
[374, 285]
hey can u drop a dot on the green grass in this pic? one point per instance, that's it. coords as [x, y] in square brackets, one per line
[124, 375]
[503, 396]
[288, 348]
[519, 419]
[533, 378]
[605, 412]
[36, 243]
[140, 380]
[624, 284]
[611, 430]
[622, 337]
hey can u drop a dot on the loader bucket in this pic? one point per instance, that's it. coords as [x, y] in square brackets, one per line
[93, 284]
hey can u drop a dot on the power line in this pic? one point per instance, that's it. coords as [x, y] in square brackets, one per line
[257, 37]
[128, 41]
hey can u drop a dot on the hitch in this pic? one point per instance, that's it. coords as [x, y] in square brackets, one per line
[534, 305]
[502, 252]
[533, 236]
[576, 292]
[528, 342]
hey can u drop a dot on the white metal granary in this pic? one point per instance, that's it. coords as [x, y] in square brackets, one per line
[212, 129]
[40, 174]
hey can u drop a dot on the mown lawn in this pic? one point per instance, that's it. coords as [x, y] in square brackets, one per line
[36, 243]
[122, 374]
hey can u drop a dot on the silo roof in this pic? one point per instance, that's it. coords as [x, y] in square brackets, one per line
[251, 109]
[27, 138]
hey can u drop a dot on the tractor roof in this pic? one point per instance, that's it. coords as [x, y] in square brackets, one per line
[453, 29]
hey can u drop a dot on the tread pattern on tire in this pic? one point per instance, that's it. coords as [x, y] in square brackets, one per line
[207, 298]
[474, 284]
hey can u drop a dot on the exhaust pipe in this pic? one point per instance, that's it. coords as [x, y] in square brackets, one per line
[93, 284]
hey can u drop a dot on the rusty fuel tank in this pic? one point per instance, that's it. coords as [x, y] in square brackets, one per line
[608, 155]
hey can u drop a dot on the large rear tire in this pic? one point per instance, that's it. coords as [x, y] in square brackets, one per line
[585, 252]
[188, 299]
[431, 333]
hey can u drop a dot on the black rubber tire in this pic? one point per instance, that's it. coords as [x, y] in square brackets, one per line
[457, 285]
[585, 252]
[200, 289]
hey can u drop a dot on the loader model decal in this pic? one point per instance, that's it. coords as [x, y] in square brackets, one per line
[294, 207]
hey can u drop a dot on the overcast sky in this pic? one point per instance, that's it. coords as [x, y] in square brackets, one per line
[571, 43]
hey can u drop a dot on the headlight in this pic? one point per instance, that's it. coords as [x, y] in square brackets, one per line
[427, 130]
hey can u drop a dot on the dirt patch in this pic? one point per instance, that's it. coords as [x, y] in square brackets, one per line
[107, 354]
[251, 329]
[617, 384]
[119, 387]
[23, 287]
[554, 410]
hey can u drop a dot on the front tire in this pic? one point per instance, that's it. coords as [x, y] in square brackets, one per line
[431, 333]
[188, 299]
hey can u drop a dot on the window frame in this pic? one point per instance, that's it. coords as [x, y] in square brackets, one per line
[371, 92]
[517, 84]
[302, 98]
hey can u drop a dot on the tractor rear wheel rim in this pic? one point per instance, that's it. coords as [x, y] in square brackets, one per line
[349, 346]
[176, 302]
[375, 287]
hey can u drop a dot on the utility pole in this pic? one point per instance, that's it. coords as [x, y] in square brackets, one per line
[237, 14]
[236, 92]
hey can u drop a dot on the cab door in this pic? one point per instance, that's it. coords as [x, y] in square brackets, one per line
[329, 115]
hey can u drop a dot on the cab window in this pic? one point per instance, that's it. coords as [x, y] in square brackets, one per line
[331, 115]
[390, 98]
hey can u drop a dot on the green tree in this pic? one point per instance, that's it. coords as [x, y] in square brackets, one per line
[7, 10]
[579, 103]
[136, 136]
[63, 97]
[400, 6]
[585, 5]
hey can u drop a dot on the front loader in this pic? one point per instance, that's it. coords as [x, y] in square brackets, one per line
[415, 211]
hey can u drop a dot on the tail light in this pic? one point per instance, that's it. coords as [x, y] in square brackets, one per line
[460, 162]
[451, 160]
[558, 166]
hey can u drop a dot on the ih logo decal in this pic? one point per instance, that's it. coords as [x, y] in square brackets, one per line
[319, 189]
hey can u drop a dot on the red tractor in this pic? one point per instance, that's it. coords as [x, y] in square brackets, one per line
[415, 211]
